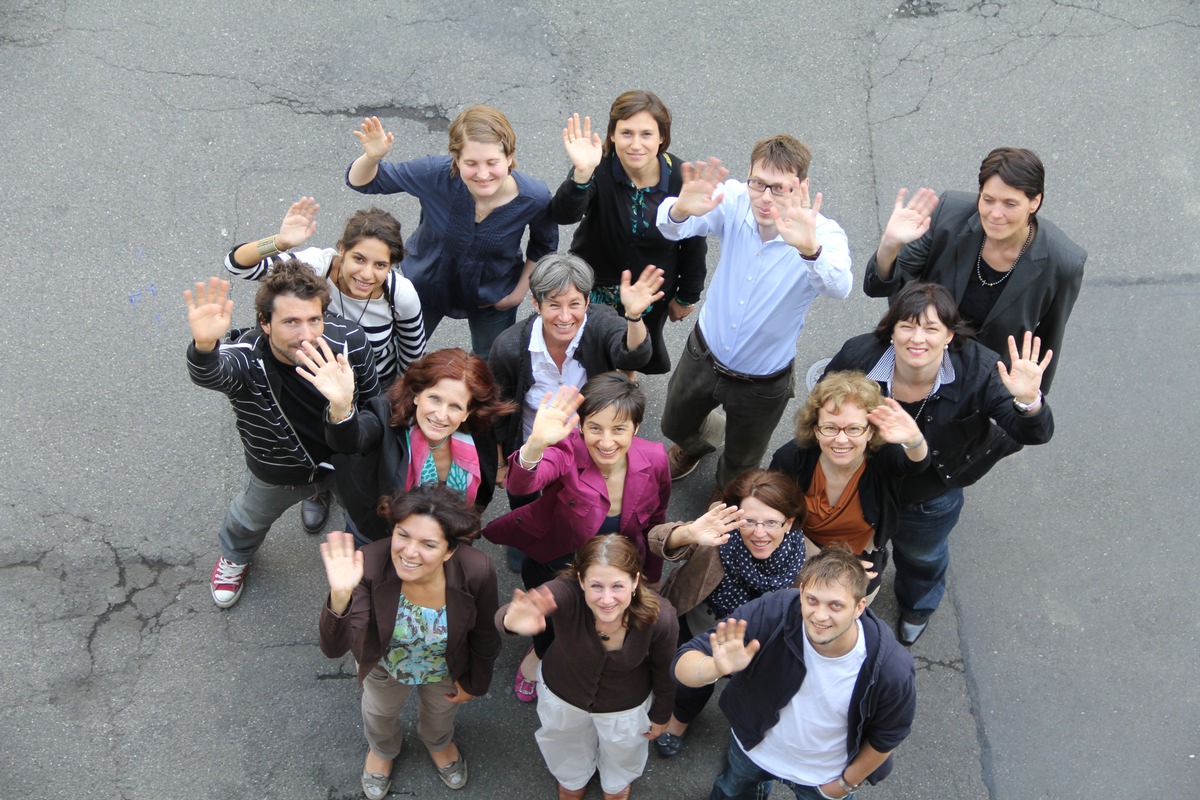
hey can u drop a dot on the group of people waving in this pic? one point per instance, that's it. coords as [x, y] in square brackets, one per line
[335, 381]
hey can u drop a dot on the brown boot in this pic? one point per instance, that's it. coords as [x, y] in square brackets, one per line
[570, 794]
[621, 795]
[680, 463]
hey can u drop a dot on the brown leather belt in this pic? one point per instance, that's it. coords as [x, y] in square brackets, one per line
[726, 372]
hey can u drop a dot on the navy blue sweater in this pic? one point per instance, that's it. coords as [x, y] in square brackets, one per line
[882, 705]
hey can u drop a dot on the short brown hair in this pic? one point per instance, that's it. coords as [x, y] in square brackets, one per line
[613, 389]
[838, 388]
[485, 406]
[480, 123]
[374, 223]
[616, 551]
[770, 487]
[784, 153]
[293, 278]
[836, 564]
[1019, 168]
[633, 102]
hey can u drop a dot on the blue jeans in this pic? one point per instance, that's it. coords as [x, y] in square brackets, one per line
[742, 779]
[922, 552]
[485, 324]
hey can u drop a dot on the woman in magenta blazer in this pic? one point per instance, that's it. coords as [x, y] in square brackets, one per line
[596, 478]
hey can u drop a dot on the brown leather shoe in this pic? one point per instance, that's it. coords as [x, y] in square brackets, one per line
[681, 464]
[568, 794]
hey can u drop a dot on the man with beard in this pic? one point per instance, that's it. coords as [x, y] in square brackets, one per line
[280, 415]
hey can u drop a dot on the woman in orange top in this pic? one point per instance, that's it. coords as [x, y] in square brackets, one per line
[848, 457]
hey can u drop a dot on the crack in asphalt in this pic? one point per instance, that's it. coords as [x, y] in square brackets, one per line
[435, 118]
[927, 664]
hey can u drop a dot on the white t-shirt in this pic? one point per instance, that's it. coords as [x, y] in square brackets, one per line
[808, 744]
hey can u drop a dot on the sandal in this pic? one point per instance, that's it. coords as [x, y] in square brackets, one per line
[454, 774]
[525, 689]
[374, 785]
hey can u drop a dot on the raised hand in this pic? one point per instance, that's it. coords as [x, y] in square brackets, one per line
[895, 425]
[376, 142]
[209, 312]
[1024, 379]
[637, 297]
[796, 218]
[343, 568]
[909, 221]
[583, 147]
[555, 419]
[527, 612]
[730, 651]
[330, 375]
[715, 526]
[298, 224]
[699, 194]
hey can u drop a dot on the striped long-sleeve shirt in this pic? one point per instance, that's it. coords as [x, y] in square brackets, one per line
[247, 373]
[392, 322]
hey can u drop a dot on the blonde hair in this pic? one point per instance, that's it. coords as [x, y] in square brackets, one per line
[838, 388]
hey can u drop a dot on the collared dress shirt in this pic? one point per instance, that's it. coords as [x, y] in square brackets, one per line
[760, 291]
[546, 375]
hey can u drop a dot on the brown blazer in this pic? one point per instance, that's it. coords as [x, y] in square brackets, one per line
[701, 573]
[471, 603]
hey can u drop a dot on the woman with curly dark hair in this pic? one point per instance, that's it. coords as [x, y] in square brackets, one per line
[417, 611]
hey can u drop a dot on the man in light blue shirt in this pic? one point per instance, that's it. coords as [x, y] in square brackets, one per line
[778, 253]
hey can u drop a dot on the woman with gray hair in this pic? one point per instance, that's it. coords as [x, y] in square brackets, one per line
[566, 341]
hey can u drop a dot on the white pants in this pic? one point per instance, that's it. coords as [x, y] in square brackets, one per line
[575, 743]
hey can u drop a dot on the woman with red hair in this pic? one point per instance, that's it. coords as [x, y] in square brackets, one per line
[433, 426]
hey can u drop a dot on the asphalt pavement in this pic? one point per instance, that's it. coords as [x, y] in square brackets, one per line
[143, 140]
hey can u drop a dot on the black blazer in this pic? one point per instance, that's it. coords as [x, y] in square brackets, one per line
[1038, 297]
[958, 421]
[374, 462]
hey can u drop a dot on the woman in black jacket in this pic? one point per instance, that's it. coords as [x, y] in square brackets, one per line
[971, 409]
[613, 191]
[433, 426]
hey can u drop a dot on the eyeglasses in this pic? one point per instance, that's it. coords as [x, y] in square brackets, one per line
[768, 525]
[777, 189]
[853, 431]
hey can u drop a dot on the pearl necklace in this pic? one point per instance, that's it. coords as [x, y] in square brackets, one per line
[979, 260]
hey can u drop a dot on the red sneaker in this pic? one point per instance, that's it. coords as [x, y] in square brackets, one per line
[228, 580]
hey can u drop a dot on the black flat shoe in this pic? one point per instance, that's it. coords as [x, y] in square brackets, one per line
[908, 632]
[668, 745]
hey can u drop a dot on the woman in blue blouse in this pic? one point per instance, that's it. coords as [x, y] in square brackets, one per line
[465, 255]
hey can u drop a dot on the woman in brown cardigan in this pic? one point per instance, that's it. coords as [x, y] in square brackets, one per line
[721, 571]
[417, 611]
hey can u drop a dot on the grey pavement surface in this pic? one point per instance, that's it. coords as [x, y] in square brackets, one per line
[142, 140]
